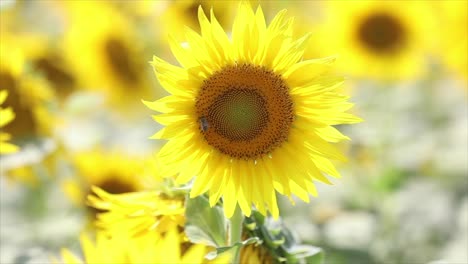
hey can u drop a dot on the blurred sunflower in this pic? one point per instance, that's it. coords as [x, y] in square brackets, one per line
[150, 248]
[41, 55]
[113, 172]
[100, 45]
[28, 94]
[454, 46]
[246, 115]
[378, 39]
[47, 60]
[6, 116]
[137, 213]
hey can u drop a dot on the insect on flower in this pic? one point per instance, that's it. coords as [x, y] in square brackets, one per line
[204, 124]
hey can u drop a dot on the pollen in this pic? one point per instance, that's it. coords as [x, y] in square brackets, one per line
[245, 111]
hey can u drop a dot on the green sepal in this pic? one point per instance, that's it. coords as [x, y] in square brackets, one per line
[213, 254]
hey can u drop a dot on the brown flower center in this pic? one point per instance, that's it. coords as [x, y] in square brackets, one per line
[116, 186]
[111, 185]
[119, 58]
[244, 111]
[382, 33]
[61, 79]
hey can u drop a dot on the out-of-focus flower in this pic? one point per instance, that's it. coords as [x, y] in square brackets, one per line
[246, 115]
[454, 35]
[137, 213]
[153, 247]
[112, 171]
[31, 98]
[41, 51]
[100, 46]
[144, 214]
[28, 94]
[140, 9]
[6, 116]
[46, 59]
[378, 39]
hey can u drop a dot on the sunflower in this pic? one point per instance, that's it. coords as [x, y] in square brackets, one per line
[28, 94]
[100, 46]
[41, 55]
[137, 213]
[453, 50]
[151, 248]
[246, 115]
[46, 59]
[144, 214]
[378, 39]
[6, 116]
[111, 171]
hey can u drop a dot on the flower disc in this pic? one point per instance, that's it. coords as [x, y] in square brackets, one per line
[245, 111]
[120, 60]
[382, 33]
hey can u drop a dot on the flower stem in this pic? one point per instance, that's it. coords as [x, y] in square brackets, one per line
[236, 232]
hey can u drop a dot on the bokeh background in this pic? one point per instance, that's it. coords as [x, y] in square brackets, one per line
[76, 72]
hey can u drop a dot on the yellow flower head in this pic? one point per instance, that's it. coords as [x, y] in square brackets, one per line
[111, 171]
[246, 115]
[6, 116]
[137, 213]
[378, 39]
[454, 35]
[28, 94]
[100, 46]
[150, 248]
[46, 59]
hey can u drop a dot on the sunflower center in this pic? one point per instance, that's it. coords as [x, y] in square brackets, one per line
[62, 80]
[238, 114]
[112, 186]
[382, 33]
[115, 186]
[119, 58]
[244, 111]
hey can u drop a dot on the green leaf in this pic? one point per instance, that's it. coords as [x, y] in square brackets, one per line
[205, 225]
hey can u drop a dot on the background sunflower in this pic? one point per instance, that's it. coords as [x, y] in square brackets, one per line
[111, 171]
[381, 39]
[104, 54]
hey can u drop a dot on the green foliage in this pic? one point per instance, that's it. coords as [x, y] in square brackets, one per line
[280, 242]
[205, 225]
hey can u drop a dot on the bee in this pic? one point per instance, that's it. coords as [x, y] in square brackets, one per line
[204, 124]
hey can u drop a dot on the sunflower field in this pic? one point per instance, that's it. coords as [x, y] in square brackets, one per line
[215, 131]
